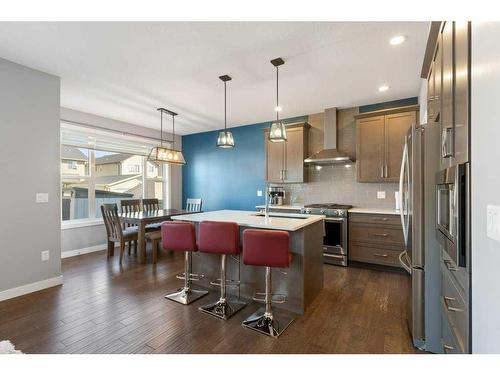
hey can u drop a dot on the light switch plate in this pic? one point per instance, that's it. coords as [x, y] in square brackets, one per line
[42, 197]
[380, 194]
[259, 193]
[493, 222]
[45, 255]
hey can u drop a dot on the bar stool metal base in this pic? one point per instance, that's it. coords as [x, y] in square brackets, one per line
[223, 310]
[271, 326]
[186, 296]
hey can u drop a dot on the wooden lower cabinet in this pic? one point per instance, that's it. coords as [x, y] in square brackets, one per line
[376, 255]
[375, 238]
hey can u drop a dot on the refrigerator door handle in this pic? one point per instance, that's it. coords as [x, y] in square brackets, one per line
[402, 206]
[405, 266]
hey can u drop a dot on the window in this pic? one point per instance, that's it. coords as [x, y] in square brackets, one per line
[118, 176]
[75, 182]
[101, 173]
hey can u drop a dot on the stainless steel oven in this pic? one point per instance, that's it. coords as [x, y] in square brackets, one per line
[335, 241]
[452, 212]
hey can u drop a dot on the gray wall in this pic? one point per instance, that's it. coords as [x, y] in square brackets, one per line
[485, 176]
[29, 163]
[89, 236]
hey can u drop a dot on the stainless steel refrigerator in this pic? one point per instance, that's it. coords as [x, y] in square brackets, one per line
[421, 255]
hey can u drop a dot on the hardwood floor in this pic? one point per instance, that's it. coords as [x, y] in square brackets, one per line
[104, 309]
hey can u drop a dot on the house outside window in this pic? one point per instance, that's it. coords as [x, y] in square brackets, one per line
[91, 177]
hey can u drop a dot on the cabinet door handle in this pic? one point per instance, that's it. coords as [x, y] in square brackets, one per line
[380, 255]
[380, 234]
[281, 175]
[385, 171]
[449, 266]
[284, 174]
[448, 348]
[448, 306]
[380, 219]
[382, 171]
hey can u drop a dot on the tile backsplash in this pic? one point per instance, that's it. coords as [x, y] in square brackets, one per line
[337, 184]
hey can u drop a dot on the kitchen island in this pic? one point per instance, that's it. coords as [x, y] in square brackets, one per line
[301, 282]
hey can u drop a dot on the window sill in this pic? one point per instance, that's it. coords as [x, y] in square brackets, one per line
[79, 223]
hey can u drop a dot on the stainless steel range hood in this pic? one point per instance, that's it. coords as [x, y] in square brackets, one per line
[329, 154]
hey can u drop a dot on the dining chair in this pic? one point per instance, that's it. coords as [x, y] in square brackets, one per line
[151, 204]
[193, 204]
[129, 206]
[115, 231]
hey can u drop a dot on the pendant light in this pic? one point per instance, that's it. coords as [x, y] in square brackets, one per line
[163, 154]
[277, 133]
[225, 138]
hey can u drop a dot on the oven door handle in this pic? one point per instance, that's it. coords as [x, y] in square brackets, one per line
[335, 219]
[333, 256]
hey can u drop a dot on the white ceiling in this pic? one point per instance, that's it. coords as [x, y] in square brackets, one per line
[125, 71]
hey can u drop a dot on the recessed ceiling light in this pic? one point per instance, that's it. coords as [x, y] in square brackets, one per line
[383, 88]
[396, 40]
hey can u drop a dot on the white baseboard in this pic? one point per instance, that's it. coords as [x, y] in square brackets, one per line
[30, 288]
[85, 250]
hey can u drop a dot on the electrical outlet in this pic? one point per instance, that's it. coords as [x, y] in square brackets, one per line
[42, 197]
[493, 222]
[380, 194]
[45, 255]
[259, 193]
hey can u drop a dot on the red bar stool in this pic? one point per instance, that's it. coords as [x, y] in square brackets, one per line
[220, 238]
[267, 248]
[181, 236]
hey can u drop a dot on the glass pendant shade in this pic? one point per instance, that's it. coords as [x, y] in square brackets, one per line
[225, 139]
[166, 155]
[161, 154]
[277, 133]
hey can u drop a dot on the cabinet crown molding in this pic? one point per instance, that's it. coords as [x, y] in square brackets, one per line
[388, 111]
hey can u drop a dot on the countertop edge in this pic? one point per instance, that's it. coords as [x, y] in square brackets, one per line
[380, 211]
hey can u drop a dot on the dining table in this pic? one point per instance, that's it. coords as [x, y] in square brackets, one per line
[142, 218]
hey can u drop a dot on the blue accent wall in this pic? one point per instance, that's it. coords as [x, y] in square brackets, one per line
[226, 178]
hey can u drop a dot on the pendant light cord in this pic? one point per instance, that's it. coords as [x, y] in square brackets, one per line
[277, 96]
[173, 132]
[225, 106]
[161, 128]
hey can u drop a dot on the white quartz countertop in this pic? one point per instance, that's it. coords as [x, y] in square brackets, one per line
[382, 211]
[291, 222]
[281, 207]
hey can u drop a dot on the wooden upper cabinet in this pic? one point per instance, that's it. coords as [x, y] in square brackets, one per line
[380, 140]
[275, 156]
[396, 127]
[294, 155]
[370, 149]
[285, 160]
[431, 86]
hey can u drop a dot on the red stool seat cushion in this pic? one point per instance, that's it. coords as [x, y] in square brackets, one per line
[178, 236]
[219, 237]
[268, 248]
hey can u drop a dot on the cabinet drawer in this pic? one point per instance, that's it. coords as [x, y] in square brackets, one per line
[376, 235]
[375, 219]
[448, 342]
[374, 255]
[454, 309]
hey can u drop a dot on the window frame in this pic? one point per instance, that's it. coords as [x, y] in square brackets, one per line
[90, 178]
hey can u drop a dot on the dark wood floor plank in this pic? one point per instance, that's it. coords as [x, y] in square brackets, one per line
[105, 308]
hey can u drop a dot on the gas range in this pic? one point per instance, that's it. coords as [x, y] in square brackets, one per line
[335, 238]
[327, 209]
